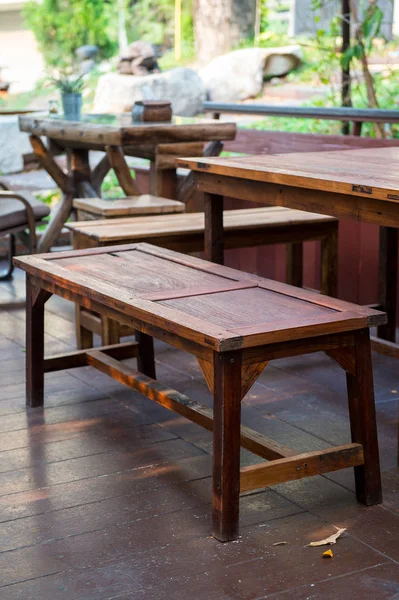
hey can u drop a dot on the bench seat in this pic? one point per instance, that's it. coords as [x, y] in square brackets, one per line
[185, 233]
[188, 228]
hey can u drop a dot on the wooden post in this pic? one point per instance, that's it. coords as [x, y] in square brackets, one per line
[226, 445]
[35, 300]
[178, 30]
[346, 74]
[213, 235]
[363, 421]
[388, 279]
[163, 182]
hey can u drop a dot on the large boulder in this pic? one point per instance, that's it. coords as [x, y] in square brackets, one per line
[117, 93]
[15, 145]
[240, 74]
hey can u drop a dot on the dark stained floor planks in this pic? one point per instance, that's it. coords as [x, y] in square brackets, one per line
[105, 495]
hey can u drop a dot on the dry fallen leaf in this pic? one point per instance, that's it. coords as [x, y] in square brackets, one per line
[328, 554]
[332, 539]
[279, 543]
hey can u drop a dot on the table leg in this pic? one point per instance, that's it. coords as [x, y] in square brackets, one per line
[99, 173]
[81, 174]
[213, 242]
[388, 279]
[118, 162]
[35, 300]
[226, 445]
[65, 183]
[363, 421]
[58, 218]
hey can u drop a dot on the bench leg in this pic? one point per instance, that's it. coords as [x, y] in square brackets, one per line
[294, 264]
[329, 264]
[35, 300]
[213, 234]
[145, 358]
[388, 278]
[363, 421]
[226, 445]
[110, 332]
[84, 337]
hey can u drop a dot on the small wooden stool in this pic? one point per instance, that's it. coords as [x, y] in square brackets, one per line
[185, 233]
[99, 208]
[234, 324]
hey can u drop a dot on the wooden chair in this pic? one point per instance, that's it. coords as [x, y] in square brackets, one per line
[20, 212]
[185, 233]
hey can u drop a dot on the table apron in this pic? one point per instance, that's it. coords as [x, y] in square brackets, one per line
[369, 210]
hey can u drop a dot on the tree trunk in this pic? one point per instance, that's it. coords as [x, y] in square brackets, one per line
[220, 25]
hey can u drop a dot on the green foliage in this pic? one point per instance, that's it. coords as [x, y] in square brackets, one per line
[110, 187]
[67, 84]
[370, 28]
[61, 26]
[153, 20]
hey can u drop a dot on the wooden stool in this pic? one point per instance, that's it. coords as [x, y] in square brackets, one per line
[146, 204]
[185, 233]
[234, 324]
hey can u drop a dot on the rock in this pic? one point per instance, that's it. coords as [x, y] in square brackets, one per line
[86, 66]
[86, 52]
[139, 58]
[11, 153]
[139, 48]
[240, 74]
[117, 93]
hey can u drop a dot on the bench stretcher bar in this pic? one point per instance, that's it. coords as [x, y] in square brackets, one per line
[284, 465]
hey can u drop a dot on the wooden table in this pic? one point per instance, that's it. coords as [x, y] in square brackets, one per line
[117, 135]
[360, 184]
[233, 323]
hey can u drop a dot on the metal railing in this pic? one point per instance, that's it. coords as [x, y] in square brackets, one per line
[357, 115]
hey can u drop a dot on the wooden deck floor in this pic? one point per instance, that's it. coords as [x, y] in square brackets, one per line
[104, 494]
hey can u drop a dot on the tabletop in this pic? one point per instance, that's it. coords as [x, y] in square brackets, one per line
[373, 173]
[215, 306]
[120, 130]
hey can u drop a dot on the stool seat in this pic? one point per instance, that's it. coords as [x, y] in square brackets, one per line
[146, 204]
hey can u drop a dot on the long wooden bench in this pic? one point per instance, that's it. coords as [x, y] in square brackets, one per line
[185, 233]
[234, 323]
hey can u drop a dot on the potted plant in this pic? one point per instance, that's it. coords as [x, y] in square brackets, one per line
[70, 87]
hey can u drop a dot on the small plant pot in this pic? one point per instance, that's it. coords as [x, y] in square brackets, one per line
[72, 106]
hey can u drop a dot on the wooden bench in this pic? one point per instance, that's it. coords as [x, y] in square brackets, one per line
[185, 233]
[234, 324]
